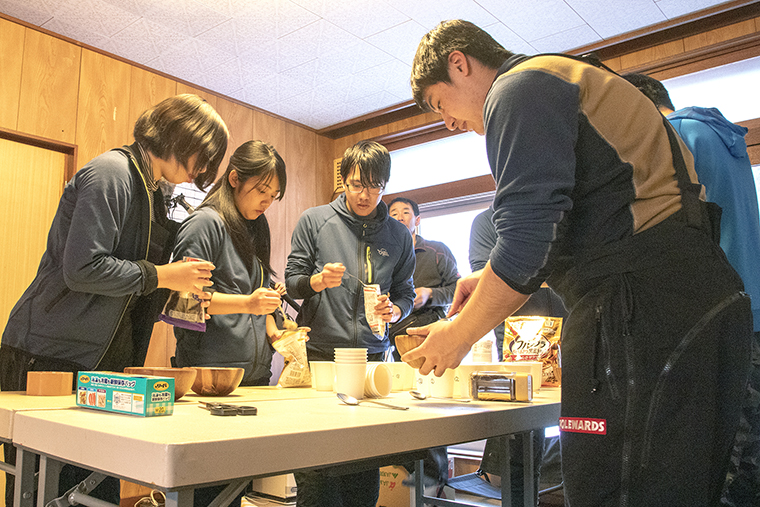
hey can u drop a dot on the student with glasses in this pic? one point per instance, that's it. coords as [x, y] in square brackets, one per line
[351, 235]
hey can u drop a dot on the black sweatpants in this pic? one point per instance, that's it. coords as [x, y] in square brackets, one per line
[655, 357]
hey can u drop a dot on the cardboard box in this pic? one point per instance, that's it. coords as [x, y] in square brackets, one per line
[282, 487]
[393, 493]
[143, 395]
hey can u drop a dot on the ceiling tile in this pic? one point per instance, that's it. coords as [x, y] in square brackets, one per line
[312, 41]
[353, 15]
[675, 8]
[627, 16]
[509, 39]
[393, 77]
[567, 40]
[222, 36]
[536, 19]
[36, 14]
[401, 41]
[429, 13]
[136, 41]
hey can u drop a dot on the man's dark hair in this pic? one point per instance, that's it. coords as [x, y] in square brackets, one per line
[181, 127]
[431, 63]
[415, 208]
[653, 89]
[372, 159]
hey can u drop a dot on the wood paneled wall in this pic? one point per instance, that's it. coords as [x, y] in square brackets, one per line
[58, 89]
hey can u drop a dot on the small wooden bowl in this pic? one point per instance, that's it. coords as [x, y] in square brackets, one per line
[183, 377]
[217, 381]
[405, 343]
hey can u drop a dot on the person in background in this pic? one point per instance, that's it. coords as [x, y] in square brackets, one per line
[544, 301]
[656, 347]
[352, 234]
[723, 167]
[435, 273]
[435, 278]
[94, 300]
[230, 229]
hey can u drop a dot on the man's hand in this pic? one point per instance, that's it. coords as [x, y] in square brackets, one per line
[329, 277]
[386, 310]
[444, 348]
[465, 287]
[421, 296]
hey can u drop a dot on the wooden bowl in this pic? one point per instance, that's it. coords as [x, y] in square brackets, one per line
[183, 377]
[405, 343]
[217, 381]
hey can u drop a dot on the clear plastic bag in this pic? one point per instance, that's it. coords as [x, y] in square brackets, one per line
[184, 309]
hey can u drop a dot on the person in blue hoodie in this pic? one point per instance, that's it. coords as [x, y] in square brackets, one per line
[351, 235]
[230, 229]
[723, 167]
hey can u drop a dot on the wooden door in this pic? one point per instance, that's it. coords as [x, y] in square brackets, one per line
[33, 179]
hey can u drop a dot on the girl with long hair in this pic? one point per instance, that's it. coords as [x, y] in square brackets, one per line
[230, 230]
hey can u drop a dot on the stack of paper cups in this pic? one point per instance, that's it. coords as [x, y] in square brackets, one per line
[350, 371]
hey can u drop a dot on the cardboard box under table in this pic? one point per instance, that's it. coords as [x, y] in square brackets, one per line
[143, 395]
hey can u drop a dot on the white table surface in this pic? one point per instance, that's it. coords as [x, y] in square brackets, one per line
[295, 429]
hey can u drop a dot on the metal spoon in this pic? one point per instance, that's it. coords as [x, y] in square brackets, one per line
[421, 396]
[350, 400]
[355, 278]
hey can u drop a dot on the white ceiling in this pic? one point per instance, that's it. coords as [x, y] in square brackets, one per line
[323, 62]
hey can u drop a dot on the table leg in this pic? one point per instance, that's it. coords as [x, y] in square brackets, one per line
[181, 498]
[47, 483]
[24, 486]
[506, 473]
[528, 466]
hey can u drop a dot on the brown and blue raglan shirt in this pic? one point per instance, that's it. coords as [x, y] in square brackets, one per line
[571, 174]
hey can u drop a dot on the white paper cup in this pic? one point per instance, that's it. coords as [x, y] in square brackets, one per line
[482, 351]
[322, 375]
[443, 386]
[422, 383]
[403, 376]
[350, 379]
[378, 380]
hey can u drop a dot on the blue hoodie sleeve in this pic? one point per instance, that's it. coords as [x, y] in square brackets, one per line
[531, 126]
[301, 263]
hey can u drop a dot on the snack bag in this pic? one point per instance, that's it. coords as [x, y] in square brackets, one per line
[535, 338]
[292, 346]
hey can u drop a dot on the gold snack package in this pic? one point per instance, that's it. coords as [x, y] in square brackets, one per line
[535, 338]
[292, 346]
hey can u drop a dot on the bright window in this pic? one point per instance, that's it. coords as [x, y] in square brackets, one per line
[732, 88]
[443, 161]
